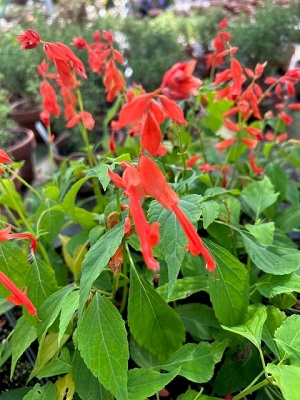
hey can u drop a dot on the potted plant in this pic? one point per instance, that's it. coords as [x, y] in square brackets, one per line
[184, 273]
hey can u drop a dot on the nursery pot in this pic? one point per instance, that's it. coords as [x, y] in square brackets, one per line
[23, 150]
[25, 114]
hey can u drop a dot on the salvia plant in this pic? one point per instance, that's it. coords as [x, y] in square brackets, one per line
[181, 279]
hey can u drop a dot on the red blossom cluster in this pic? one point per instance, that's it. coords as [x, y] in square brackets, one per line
[147, 179]
[102, 60]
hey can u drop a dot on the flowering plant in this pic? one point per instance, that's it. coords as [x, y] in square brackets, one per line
[183, 269]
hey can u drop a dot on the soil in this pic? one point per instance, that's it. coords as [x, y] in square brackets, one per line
[16, 136]
[25, 106]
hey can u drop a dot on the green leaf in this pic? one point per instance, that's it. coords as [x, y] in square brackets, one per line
[15, 394]
[287, 337]
[46, 392]
[264, 233]
[210, 211]
[184, 288]
[101, 172]
[196, 361]
[275, 317]
[102, 341]
[69, 305]
[57, 366]
[14, 264]
[252, 329]
[143, 383]
[153, 324]
[289, 219]
[271, 285]
[41, 282]
[51, 308]
[287, 378]
[191, 394]
[142, 357]
[278, 178]
[48, 347]
[68, 203]
[20, 341]
[271, 259]
[97, 259]
[86, 384]
[199, 320]
[50, 222]
[173, 239]
[259, 195]
[229, 289]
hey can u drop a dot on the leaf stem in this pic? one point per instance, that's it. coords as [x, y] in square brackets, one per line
[251, 389]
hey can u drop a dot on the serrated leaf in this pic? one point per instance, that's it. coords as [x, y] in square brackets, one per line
[287, 337]
[229, 289]
[289, 219]
[51, 308]
[106, 352]
[210, 211]
[259, 195]
[196, 361]
[97, 259]
[199, 320]
[86, 384]
[173, 240]
[271, 259]
[252, 329]
[143, 383]
[41, 282]
[46, 392]
[287, 378]
[275, 317]
[21, 342]
[101, 172]
[271, 285]
[184, 288]
[69, 305]
[278, 178]
[68, 203]
[264, 233]
[153, 324]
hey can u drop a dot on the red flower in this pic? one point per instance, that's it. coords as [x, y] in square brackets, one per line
[221, 146]
[255, 132]
[18, 297]
[6, 235]
[178, 83]
[85, 117]
[29, 38]
[50, 105]
[250, 143]
[156, 186]
[232, 126]
[192, 161]
[148, 234]
[4, 158]
[255, 168]
[207, 167]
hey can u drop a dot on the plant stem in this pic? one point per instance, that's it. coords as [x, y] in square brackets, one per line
[20, 179]
[50, 148]
[251, 389]
[125, 288]
[182, 153]
[24, 220]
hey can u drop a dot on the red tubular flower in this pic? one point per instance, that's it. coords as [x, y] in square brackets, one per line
[156, 186]
[192, 160]
[250, 143]
[221, 146]
[4, 157]
[29, 39]
[255, 132]
[148, 234]
[18, 297]
[207, 167]
[6, 235]
[255, 168]
[50, 105]
[86, 119]
[178, 83]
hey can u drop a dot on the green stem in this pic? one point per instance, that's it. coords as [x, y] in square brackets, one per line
[51, 156]
[251, 389]
[91, 159]
[24, 220]
[182, 153]
[20, 179]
